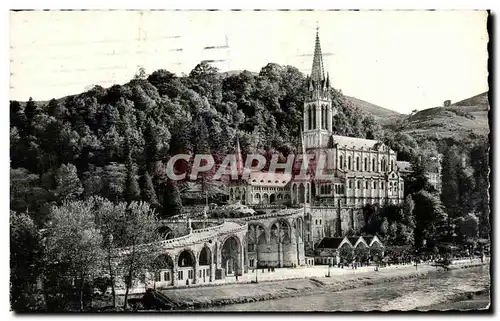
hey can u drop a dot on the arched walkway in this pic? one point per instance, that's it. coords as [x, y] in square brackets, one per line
[302, 192]
[166, 232]
[163, 270]
[231, 256]
[205, 265]
[186, 263]
[265, 199]
[280, 238]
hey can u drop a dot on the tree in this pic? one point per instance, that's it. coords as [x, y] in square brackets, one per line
[25, 262]
[137, 227]
[429, 215]
[114, 181]
[28, 196]
[132, 190]
[148, 190]
[31, 110]
[172, 203]
[68, 185]
[74, 243]
[469, 227]
[109, 226]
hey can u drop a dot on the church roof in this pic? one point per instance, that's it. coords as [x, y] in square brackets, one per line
[368, 239]
[269, 179]
[355, 142]
[332, 242]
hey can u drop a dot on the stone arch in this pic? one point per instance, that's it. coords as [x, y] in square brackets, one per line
[284, 229]
[231, 252]
[186, 258]
[272, 198]
[163, 269]
[257, 198]
[257, 234]
[299, 227]
[205, 264]
[205, 256]
[166, 232]
[302, 193]
[265, 198]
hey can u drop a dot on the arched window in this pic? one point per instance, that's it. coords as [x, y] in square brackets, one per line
[314, 116]
[309, 118]
[382, 185]
[392, 164]
[375, 185]
[366, 164]
[350, 183]
[359, 184]
[357, 163]
[366, 184]
[341, 162]
[322, 115]
[349, 163]
[373, 164]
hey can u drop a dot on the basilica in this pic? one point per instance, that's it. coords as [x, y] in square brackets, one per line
[360, 171]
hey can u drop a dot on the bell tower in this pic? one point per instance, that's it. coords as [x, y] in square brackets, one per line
[318, 109]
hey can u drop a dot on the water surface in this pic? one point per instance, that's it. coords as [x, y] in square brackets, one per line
[434, 290]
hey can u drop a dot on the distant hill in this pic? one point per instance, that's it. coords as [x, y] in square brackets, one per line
[478, 100]
[462, 119]
[380, 113]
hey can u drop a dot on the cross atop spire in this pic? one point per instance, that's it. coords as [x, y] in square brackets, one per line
[317, 72]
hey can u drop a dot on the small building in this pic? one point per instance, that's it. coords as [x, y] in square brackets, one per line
[335, 250]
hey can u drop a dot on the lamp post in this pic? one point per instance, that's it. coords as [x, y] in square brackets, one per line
[256, 269]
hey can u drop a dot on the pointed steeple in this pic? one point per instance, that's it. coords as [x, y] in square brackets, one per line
[317, 72]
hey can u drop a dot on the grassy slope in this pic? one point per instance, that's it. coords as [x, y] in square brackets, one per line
[380, 113]
[469, 116]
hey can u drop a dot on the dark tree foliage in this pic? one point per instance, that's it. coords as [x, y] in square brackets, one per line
[161, 115]
[25, 263]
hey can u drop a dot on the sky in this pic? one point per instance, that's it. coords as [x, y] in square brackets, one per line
[400, 60]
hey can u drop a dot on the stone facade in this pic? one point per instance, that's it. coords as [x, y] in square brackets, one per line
[360, 171]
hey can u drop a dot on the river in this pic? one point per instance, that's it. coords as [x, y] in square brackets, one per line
[434, 291]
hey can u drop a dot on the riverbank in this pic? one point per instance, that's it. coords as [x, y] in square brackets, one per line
[205, 297]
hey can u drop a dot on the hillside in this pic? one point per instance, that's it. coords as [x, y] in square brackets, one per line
[478, 100]
[380, 113]
[463, 119]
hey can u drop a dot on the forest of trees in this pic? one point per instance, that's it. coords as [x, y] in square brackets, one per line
[114, 142]
[103, 152]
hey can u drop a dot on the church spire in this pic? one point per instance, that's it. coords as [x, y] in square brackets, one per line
[317, 73]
